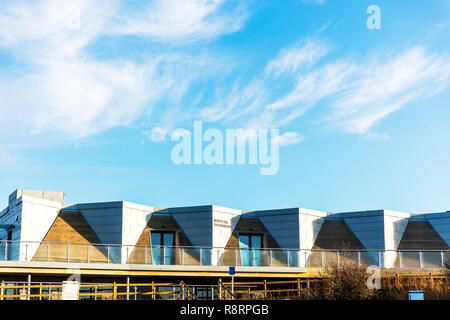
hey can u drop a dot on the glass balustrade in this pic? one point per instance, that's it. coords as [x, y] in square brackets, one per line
[249, 254]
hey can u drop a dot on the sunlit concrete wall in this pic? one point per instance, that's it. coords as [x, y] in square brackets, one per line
[31, 213]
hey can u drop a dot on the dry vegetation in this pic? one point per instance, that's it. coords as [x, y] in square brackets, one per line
[342, 282]
[349, 282]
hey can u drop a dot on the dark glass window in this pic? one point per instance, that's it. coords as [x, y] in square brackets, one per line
[251, 245]
[163, 243]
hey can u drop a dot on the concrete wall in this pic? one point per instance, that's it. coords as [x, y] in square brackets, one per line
[55, 196]
[310, 223]
[135, 218]
[394, 227]
[32, 213]
[38, 216]
[224, 222]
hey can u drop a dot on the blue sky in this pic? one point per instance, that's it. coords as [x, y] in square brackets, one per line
[90, 92]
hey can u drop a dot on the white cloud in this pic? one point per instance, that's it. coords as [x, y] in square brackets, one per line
[305, 53]
[356, 94]
[157, 134]
[61, 89]
[289, 138]
[178, 133]
[187, 20]
[387, 84]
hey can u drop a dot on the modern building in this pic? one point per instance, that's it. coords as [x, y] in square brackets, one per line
[43, 236]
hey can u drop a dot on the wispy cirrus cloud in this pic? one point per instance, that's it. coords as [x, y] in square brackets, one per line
[355, 93]
[291, 60]
[185, 21]
[62, 88]
[288, 138]
[386, 84]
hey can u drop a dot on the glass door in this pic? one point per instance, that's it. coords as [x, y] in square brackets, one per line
[163, 247]
[250, 248]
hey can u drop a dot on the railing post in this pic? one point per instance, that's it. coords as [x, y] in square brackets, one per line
[420, 260]
[107, 251]
[6, 250]
[359, 258]
[68, 253]
[219, 289]
[114, 290]
[26, 251]
[145, 253]
[379, 259]
[126, 258]
[164, 255]
[399, 259]
[322, 258]
[182, 256]
[201, 262]
[337, 253]
[182, 290]
[265, 289]
[287, 258]
[48, 252]
[1, 290]
[128, 288]
[442, 259]
[306, 259]
[253, 256]
[270, 257]
[88, 253]
[40, 290]
[153, 290]
[235, 256]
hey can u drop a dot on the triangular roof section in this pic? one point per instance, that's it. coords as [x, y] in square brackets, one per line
[71, 227]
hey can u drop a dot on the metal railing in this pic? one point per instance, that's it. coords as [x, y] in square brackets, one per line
[99, 291]
[216, 256]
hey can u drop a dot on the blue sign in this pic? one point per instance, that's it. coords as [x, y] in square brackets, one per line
[232, 271]
[416, 295]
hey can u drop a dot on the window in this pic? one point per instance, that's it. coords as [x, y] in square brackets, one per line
[163, 244]
[251, 245]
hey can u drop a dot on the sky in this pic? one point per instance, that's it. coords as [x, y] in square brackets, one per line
[91, 93]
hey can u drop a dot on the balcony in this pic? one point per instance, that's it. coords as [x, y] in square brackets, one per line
[215, 256]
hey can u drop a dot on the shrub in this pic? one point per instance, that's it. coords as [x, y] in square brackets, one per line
[343, 282]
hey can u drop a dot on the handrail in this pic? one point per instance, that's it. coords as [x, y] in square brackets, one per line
[218, 247]
[112, 290]
[189, 290]
[228, 292]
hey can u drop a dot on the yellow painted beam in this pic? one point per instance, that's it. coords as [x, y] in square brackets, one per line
[310, 273]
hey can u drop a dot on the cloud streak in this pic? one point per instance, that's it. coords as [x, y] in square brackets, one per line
[355, 94]
[61, 88]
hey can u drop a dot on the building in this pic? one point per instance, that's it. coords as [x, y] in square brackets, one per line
[43, 238]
